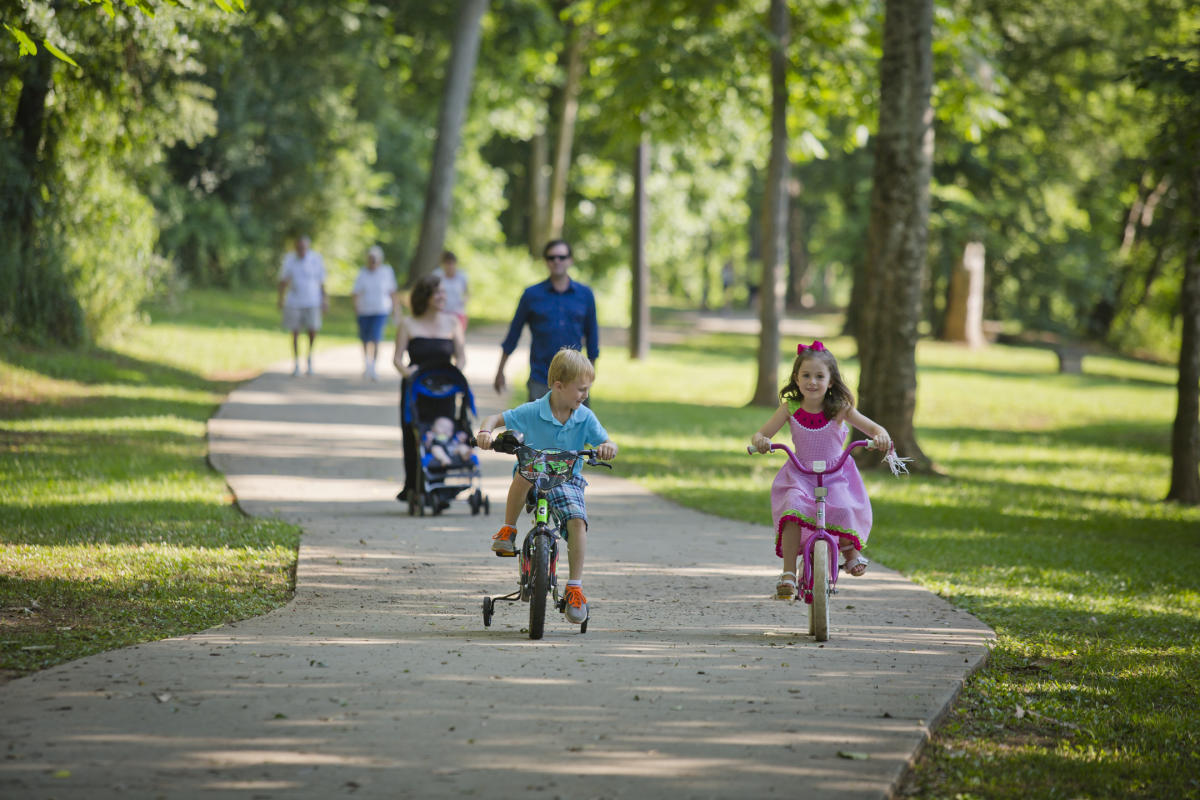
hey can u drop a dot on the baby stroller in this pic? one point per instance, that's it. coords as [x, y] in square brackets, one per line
[437, 410]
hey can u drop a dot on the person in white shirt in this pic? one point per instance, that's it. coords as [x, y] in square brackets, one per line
[375, 292]
[454, 284]
[302, 297]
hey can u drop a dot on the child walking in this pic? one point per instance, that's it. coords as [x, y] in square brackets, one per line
[817, 405]
[558, 420]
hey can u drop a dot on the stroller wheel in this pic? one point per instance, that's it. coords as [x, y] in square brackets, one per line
[487, 506]
[476, 502]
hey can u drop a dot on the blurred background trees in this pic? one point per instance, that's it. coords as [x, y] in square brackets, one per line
[190, 146]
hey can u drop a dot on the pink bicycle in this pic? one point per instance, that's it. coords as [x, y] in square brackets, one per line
[818, 547]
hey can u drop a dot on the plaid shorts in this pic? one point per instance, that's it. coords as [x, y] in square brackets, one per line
[566, 500]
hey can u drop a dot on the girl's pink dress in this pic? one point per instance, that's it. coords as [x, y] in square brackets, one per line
[847, 509]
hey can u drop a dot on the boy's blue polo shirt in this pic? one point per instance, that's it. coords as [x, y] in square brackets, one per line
[556, 320]
[536, 421]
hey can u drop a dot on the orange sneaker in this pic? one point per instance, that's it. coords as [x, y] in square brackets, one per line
[576, 608]
[504, 542]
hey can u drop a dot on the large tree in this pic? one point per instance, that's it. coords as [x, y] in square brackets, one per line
[1176, 82]
[775, 215]
[457, 93]
[898, 229]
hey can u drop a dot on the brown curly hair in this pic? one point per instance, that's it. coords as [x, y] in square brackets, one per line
[837, 399]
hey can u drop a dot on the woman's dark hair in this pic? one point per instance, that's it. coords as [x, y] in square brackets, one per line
[422, 292]
[839, 397]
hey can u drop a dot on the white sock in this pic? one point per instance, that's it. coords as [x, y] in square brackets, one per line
[575, 583]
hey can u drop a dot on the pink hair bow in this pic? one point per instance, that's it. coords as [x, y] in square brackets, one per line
[816, 345]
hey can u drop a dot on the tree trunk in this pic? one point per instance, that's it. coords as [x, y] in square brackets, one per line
[539, 208]
[1185, 433]
[639, 317]
[37, 302]
[897, 234]
[571, 60]
[775, 218]
[798, 277]
[964, 309]
[440, 192]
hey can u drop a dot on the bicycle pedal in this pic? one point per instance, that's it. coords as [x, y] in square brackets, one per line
[506, 555]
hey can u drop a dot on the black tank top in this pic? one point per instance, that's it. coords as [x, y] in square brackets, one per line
[425, 351]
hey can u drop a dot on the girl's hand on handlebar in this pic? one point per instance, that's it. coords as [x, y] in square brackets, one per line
[607, 451]
[881, 442]
[760, 443]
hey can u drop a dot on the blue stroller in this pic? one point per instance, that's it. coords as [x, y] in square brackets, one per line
[437, 411]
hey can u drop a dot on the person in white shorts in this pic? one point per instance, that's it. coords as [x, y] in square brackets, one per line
[302, 297]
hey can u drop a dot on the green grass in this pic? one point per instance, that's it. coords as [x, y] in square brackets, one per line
[113, 528]
[1049, 525]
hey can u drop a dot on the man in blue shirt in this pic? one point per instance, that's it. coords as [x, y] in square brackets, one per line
[560, 313]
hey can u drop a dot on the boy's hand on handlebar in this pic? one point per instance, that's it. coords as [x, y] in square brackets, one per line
[760, 443]
[484, 439]
[607, 451]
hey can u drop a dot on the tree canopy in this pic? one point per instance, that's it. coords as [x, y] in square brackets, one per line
[191, 143]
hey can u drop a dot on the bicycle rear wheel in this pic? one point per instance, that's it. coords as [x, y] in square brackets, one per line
[818, 619]
[539, 584]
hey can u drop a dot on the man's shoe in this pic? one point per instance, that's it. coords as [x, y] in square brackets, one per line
[576, 609]
[504, 543]
[296, 369]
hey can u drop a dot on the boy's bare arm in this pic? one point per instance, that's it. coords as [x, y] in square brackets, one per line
[486, 425]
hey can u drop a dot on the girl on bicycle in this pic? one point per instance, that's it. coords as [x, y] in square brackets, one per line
[817, 406]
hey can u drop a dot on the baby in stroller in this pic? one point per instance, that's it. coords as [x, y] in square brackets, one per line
[446, 446]
[436, 411]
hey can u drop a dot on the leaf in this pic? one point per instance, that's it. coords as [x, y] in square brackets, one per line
[59, 54]
[163, 697]
[28, 48]
[852, 755]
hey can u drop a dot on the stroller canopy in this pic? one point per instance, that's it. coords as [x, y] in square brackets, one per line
[435, 392]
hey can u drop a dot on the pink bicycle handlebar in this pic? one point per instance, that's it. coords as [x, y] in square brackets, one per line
[845, 454]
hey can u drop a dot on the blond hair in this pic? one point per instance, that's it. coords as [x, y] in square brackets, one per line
[569, 365]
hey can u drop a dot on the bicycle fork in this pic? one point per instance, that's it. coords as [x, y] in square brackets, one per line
[806, 580]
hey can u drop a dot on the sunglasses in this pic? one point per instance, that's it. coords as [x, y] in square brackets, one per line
[555, 257]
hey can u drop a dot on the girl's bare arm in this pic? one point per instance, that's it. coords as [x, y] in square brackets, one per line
[761, 440]
[879, 435]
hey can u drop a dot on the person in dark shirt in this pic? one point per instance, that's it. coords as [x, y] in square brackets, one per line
[560, 312]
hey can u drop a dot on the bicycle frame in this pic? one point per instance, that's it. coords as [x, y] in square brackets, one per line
[537, 573]
[819, 470]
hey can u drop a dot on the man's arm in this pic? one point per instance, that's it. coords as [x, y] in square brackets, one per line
[510, 340]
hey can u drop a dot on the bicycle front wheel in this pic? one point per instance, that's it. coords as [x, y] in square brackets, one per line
[539, 584]
[819, 610]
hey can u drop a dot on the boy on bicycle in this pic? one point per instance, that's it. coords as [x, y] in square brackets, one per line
[558, 420]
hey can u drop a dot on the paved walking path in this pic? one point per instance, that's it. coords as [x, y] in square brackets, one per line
[379, 679]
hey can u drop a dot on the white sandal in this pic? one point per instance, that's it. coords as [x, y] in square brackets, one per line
[853, 563]
[785, 589]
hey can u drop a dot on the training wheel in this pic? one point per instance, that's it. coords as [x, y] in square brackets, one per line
[489, 607]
